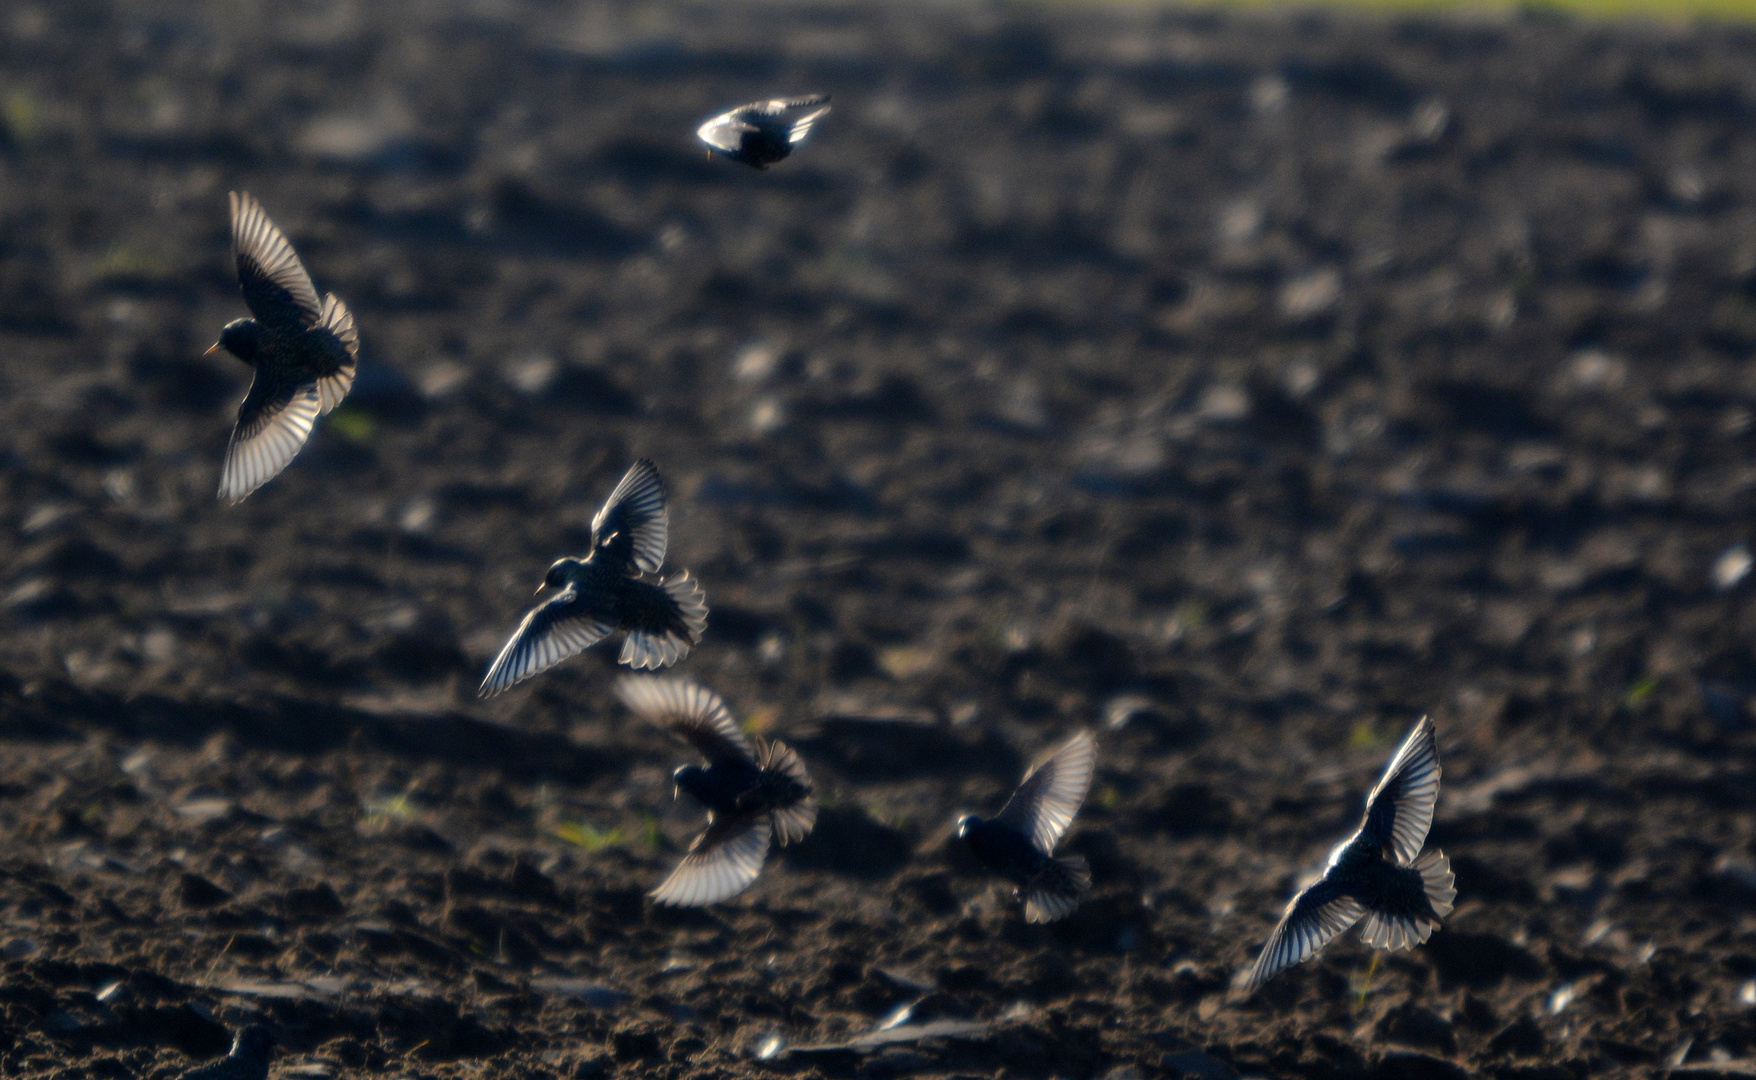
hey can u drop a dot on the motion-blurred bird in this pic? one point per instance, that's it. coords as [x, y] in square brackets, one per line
[615, 587]
[752, 792]
[1379, 874]
[247, 1061]
[1018, 843]
[763, 132]
[303, 350]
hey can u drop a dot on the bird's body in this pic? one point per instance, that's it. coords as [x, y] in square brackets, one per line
[763, 132]
[248, 1059]
[1378, 877]
[752, 793]
[616, 587]
[1018, 844]
[302, 349]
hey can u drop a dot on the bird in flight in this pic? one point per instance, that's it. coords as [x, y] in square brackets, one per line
[615, 587]
[763, 132]
[753, 793]
[247, 1061]
[1018, 843]
[303, 349]
[1379, 874]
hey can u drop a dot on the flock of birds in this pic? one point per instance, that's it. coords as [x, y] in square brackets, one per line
[304, 351]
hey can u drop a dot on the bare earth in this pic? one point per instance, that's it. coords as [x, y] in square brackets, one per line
[1241, 387]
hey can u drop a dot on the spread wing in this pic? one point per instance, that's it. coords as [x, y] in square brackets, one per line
[276, 287]
[553, 631]
[1044, 805]
[633, 528]
[798, 128]
[273, 423]
[690, 711]
[1400, 809]
[1312, 920]
[722, 862]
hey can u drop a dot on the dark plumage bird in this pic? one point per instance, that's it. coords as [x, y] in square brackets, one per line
[247, 1061]
[303, 350]
[753, 793]
[1018, 843]
[615, 587]
[763, 132]
[1380, 874]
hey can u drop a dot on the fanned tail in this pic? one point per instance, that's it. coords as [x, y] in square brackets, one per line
[794, 821]
[655, 648]
[1440, 882]
[1056, 894]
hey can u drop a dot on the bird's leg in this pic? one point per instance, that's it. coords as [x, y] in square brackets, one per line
[1366, 983]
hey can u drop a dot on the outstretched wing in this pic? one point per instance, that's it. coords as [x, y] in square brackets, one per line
[1044, 805]
[276, 287]
[690, 711]
[1400, 809]
[273, 423]
[633, 528]
[1312, 920]
[553, 631]
[722, 862]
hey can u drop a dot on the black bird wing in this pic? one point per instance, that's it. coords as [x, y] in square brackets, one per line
[633, 528]
[1044, 805]
[554, 630]
[1312, 920]
[779, 108]
[722, 862]
[1400, 809]
[273, 423]
[689, 711]
[276, 287]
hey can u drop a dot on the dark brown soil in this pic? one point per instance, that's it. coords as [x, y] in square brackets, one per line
[1242, 387]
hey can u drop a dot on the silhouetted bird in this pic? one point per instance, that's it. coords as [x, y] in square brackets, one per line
[247, 1061]
[762, 132]
[1018, 843]
[303, 350]
[616, 587]
[751, 792]
[1379, 874]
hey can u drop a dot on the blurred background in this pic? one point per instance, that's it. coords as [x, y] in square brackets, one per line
[1240, 382]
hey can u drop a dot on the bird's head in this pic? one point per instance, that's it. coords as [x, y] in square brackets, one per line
[254, 1041]
[687, 779]
[240, 337]
[558, 574]
[965, 824]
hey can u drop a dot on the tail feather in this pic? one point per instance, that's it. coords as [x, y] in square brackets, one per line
[794, 822]
[661, 647]
[1056, 894]
[1440, 882]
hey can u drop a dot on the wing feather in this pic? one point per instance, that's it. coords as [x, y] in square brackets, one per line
[276, 287]
[1399, 811]
[1045, 803]
[550, 633]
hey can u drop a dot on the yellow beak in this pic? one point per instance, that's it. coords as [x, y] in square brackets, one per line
[211, 349]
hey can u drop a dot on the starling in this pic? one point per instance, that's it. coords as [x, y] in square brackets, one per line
[1018, 843]
[247, 1061]
[303, 350]
[762, 132]
[1379, 874]
[752, 792]
[616, 587]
